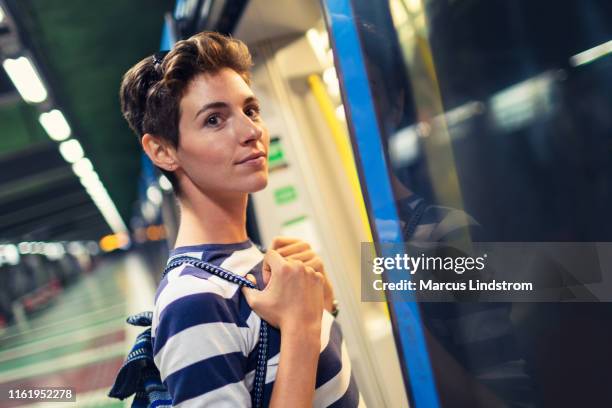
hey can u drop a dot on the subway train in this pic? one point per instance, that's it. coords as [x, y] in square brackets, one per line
[490, 111]
[436, 125]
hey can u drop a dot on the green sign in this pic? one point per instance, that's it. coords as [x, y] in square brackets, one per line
[285, 195]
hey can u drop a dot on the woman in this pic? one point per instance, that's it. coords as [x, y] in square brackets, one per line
[199, 122]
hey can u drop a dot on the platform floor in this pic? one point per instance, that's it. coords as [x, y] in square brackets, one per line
[81, 339]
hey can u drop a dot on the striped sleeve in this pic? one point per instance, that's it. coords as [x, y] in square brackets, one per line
[200, 345]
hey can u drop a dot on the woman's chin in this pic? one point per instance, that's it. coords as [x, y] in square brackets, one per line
[259, 184]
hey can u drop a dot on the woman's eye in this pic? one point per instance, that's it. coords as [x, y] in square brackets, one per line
[213, 120]
[252, 112]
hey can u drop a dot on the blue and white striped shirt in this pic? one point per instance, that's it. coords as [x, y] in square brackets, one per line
[205, 336]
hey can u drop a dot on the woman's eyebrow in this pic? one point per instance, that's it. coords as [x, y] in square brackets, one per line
[251, 99]
[212, 105]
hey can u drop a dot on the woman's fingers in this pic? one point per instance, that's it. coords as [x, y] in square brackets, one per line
[294, 297]
[280, 242]
[316, 263]
[289, 246]
[304, 256]
[318, 276]
[273, 260]
[252, 296]
[251, 278]
[295, 248]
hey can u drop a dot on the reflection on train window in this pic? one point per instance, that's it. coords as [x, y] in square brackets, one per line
[496, 125]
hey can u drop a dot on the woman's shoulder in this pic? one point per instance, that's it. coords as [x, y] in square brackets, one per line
[239, 259]
[188, 284]
[194, 296]
[190, 304]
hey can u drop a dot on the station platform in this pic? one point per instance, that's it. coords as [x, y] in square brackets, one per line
[80, 339]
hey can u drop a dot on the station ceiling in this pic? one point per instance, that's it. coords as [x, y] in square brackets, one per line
[82, 49]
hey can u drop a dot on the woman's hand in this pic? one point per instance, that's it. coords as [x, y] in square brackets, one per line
[293, 297]
[292, 301]
[296, 249]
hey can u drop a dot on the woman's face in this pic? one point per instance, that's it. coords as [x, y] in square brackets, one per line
[223, 142]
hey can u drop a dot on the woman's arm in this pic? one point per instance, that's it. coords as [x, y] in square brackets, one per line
[295, 378]
[293, 302]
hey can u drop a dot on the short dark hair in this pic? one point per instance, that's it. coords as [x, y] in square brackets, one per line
[151, 91]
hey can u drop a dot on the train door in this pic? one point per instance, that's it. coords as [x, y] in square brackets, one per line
[493, 113]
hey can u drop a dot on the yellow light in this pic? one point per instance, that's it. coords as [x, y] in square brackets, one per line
[109, 243]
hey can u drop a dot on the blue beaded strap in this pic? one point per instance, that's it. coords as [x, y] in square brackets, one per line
[262, 351]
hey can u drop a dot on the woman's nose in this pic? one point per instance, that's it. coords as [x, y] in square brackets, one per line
[249, 131]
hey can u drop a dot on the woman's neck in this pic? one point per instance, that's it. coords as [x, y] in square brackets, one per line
[206, 220]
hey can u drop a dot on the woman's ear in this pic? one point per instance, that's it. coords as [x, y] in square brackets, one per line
[161, 153]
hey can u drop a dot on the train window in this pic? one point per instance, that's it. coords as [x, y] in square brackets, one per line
[499, 110]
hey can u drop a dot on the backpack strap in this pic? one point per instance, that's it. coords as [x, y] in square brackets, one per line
[138, 374]
[262, 351]
[414, 219]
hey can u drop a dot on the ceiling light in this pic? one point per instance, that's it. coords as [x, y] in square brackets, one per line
[592, 54]
[154, 195]
[24, 248]
[90, 179]
[26, 79]
[1, 15]
[340, 114]
[95, 189]
[55, 125]
[82, 167]
[104, 203]
[71, 150]
[318, 43]
[164, 183]
[9, 254]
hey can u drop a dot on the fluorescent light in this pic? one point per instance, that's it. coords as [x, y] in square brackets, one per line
[154, 195]
[90, 179]
[340, 113]
[102, 200]
[591, 54]
[148, 210]
[1, 15]
[329, 76]
[9, 254]
[164, 183]
[414, 6]
[95, 190]
[112, 217]
[24, 248]
[71, 150]
[54, 250]
[318, 43]
[26, 79]
[82, 167]
[55, 125]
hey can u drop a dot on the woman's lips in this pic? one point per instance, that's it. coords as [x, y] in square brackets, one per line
[254, 162]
